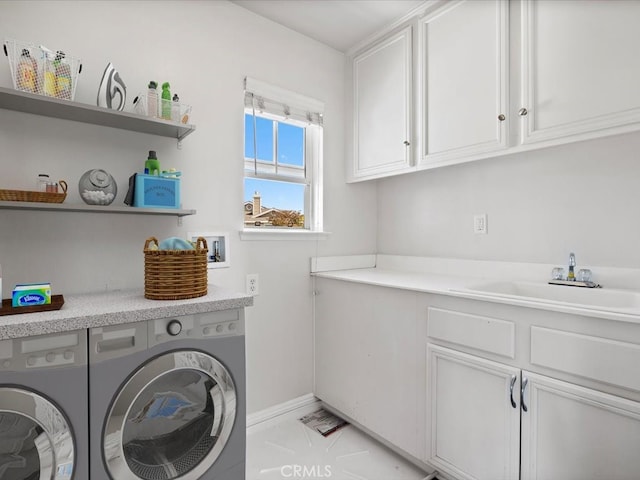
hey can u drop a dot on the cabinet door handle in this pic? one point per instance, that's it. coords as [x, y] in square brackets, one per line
[513, 382]
[522, 112]
[502, 117]
[525, 381]
[407, 143]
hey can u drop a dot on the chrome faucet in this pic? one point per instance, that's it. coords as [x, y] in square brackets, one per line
[571, 276]
[582, 280]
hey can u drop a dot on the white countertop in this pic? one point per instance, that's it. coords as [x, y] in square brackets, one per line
[115, 307]
[390, 272]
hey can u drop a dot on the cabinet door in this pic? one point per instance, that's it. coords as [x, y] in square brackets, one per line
[464, 80]
[341, 314]
[382, 107]
[575, 433]
[474, 416]
[581, 68]
[366, 357]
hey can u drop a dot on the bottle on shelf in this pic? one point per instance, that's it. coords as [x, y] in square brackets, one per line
[43, 179]
[175, 108]
[152, 165]
[26, 72]
[166, 101]
[49, 73]
[63, 76]
[152, 99]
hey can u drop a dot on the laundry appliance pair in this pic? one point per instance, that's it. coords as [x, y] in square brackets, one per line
[157, 399]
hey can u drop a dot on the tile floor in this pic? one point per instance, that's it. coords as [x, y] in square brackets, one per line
[284, 448]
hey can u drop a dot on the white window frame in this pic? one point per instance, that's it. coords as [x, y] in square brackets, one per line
[309, 175]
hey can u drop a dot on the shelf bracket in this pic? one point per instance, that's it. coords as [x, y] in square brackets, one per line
[179, 145]
[179, 220]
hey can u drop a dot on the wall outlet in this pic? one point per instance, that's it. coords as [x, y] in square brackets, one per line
[480, 223]
[253, 284]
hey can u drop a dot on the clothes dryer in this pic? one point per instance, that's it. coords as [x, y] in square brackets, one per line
[167, 399]
[44, 407]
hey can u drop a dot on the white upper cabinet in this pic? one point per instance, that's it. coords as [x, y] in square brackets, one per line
[493, 77]
[382, 98]
[463, 80]
[580, 69]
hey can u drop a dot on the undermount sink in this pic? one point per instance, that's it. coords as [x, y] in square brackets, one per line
[606, 299]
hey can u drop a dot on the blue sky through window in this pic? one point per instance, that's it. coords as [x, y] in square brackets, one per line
[280, 195]
[264, 139]
[290, 145]
[290, 138]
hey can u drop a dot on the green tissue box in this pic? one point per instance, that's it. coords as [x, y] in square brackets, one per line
[30, 294]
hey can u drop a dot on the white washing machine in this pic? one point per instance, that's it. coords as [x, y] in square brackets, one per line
[44, 407]
[167, 399]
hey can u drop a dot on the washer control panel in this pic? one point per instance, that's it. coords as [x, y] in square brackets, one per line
[224, 323]
[44, 351]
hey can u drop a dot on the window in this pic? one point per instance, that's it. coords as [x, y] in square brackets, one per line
[282, 160]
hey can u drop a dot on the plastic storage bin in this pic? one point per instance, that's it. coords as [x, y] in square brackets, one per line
[42, 71]
[182, 115]
[153, 191]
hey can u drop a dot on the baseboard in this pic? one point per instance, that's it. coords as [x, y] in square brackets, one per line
[281, 409]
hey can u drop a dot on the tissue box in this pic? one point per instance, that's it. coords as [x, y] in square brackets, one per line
[154, 191]
[29, 294]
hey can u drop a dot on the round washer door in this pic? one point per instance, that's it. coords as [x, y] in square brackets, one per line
[171, 419]
[35, 439]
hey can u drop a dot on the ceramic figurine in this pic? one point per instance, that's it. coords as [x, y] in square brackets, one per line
[111, 87]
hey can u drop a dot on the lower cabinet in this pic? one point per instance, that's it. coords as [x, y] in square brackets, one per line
[574, 433]
[489, 421]
[474, 412]
[366, 358]
[481, 391]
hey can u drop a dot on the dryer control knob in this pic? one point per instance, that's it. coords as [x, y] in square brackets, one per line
[6, 363]
[50, 357]
[232, 326]
[68, 354]
[174, 327]
[206, 330]
[219, 328]
[31, 361]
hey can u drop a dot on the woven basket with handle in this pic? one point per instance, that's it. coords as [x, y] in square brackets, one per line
[175, 274]
[34, 196]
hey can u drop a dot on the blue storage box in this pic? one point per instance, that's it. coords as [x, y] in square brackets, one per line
[159, 192]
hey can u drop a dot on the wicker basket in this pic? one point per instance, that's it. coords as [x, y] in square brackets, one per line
[175, 274]
[34, 196]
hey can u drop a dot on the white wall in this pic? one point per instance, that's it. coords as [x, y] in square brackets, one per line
[541, 205]
[204, 49]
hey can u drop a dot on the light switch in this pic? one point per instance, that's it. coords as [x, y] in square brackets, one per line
[480, 223]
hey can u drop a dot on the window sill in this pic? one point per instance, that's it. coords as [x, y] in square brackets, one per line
[278, 234]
